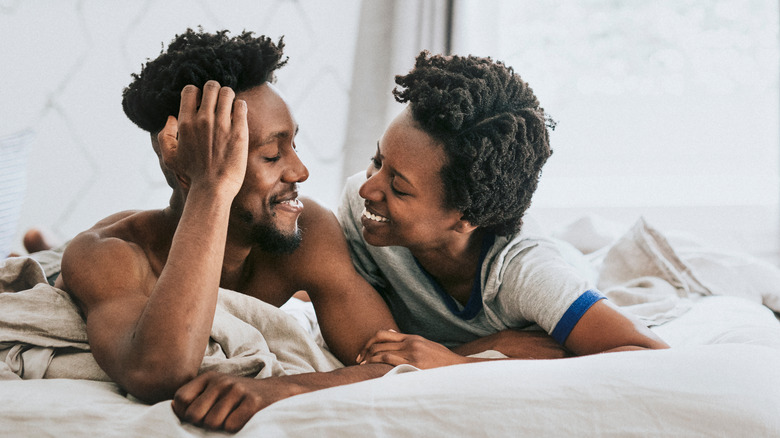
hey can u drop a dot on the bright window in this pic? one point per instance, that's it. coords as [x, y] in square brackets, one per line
[659, 104]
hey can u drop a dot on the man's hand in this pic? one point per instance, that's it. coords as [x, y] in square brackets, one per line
[393, 348]
[208, 144]
[223, 402]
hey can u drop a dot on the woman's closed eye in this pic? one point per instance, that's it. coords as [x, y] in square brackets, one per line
[375, 161]
[396, 191]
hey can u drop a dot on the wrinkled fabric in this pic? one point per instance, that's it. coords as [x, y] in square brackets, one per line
[43, 333]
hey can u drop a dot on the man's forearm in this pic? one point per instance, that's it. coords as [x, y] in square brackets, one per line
[194, 402]
[178, 315]
[517, 344]
[308, 382]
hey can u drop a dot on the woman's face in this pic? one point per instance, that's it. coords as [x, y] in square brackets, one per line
[404, 192]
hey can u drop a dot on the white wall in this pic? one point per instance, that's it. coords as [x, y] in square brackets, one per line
[665, 108]
[63, 65]
[670, 112]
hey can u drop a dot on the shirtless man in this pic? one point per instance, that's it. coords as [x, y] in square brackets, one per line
[147, 281]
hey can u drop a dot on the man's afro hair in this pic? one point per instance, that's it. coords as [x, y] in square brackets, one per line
[493, 131]
[241, 62]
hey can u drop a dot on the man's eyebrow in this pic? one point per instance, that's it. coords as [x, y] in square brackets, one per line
[276, 135]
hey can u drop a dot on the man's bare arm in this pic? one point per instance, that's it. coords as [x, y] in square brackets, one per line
[149, 333]
[224, 402]
[348, 309]
[516, 344]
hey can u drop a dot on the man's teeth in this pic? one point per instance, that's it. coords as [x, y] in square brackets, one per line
[294, 202]
[374, 217]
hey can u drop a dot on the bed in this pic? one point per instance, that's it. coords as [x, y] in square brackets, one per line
[718, 311]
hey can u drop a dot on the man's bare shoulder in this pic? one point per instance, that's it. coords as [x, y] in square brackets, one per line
[323, 249]
[103, 259]
[319, 226]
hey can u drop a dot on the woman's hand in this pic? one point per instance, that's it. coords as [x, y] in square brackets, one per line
[393, 348]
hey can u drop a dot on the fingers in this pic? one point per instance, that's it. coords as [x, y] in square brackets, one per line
[190, 99]
[210, 97]
[205, 401]
[224, 104]
[388, 358]
[217, 413]
[168, 140]
[187, 394]
[240, 416]
[379, 337]
[216, 401]
[240, 125]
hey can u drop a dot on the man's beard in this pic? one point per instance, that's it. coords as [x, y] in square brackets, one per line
[272, 240]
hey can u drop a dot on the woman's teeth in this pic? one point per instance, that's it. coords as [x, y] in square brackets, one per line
[374, 217]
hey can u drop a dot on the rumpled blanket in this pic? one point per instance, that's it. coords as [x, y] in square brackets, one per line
[43, 333]
[648, 276]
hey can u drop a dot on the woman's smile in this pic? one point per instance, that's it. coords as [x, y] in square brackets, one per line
[374, 217]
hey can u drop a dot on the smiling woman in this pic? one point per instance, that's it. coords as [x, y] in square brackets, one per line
[436, 227]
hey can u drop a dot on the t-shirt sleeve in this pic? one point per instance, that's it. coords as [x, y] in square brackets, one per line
[348, 214]
[573, 314]
[537, 285]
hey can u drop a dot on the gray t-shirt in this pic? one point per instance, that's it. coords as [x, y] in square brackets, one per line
[525, 280]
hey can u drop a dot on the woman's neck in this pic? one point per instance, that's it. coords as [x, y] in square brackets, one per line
[454, 264]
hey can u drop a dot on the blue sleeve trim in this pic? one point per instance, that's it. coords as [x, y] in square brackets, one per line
[573, 314]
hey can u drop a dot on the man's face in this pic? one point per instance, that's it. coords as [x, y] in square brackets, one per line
[265, 211]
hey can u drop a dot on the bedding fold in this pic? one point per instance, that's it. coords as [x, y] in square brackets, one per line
[646, 275]
[43, 333]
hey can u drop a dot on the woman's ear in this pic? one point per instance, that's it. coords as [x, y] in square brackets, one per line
[464, 226]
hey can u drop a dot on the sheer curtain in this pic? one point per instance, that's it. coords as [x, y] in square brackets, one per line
[390, 35]
[668, 109]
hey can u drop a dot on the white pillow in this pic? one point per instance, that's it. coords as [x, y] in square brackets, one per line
[13, 181]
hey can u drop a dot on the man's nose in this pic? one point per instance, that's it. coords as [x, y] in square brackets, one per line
[296, 172]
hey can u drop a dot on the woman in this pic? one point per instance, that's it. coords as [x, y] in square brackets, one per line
[435, 226]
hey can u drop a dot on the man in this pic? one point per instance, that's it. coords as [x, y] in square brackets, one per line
[147, 281]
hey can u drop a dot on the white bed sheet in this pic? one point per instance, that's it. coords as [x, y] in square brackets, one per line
[720, 378]
[711, 383]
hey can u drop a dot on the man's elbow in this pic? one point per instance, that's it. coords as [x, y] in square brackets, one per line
[155, 384]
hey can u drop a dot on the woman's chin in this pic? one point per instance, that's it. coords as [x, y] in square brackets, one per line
[374, 239]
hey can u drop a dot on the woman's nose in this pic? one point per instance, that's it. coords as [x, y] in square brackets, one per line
[370, 190]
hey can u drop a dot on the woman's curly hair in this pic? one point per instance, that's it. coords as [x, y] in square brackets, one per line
[493, 131]
[241, 62]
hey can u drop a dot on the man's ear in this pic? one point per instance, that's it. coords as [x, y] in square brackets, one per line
[464, 226]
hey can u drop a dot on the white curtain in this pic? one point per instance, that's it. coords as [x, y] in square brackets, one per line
[390, 35]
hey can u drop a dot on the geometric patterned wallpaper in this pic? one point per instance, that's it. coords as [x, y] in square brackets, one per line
[65, 63]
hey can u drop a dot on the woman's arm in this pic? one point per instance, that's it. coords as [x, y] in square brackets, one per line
[605, 328]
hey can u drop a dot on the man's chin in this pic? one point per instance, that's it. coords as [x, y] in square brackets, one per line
[273, 240]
